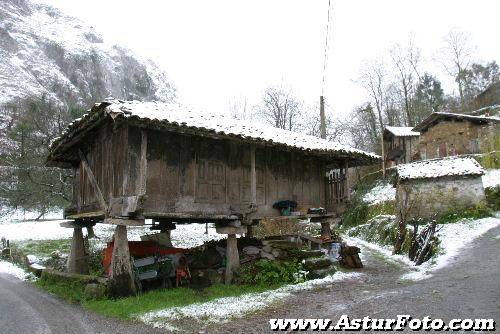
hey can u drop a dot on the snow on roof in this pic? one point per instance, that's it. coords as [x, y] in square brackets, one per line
[436, 168]
[176, 115]
[422, 126]
[402, 131]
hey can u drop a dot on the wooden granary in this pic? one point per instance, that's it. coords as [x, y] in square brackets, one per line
[134, 161]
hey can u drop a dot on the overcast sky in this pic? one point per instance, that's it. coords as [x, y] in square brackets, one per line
[220, 51]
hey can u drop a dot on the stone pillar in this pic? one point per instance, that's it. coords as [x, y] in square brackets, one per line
[77, 259]
[232, 255]
[122, 277]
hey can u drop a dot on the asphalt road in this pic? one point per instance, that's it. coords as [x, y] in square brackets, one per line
[24, 309]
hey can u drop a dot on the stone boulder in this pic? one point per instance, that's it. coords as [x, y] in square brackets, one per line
[95, 291]
[317, 263]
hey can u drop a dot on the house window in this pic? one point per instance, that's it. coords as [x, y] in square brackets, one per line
[474, 146]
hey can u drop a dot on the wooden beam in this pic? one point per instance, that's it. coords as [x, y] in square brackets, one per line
[347, 186]
[93, 181]
[73, 224]
[253, 176]
[143, 164]
[94, 214]
[189, 216]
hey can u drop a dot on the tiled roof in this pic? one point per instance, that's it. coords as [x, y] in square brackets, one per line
[428, 169]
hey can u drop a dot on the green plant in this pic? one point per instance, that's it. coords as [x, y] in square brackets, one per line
[479, 211]
[264, 272]
[70, 290]
[44, 248]
[493, 197]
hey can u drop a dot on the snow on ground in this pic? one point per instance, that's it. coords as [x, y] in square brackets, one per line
[12, 269]
[34, 230]
[224, 309]
[381, 193]
[184, 236]
[455, 237]
[8, 215]
[491, 178]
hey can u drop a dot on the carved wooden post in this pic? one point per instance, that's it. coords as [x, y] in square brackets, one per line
[143, 164]
[77, 259]
[347, 186]
[122, 277]
[253, 176]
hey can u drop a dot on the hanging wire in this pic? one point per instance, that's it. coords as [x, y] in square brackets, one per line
[326, 47]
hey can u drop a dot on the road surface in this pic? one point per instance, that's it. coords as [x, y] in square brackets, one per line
[24, 309]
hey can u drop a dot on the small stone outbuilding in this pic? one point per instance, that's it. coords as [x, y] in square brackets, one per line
[431, 188]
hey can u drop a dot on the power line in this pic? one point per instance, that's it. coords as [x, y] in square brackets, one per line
[327, 33]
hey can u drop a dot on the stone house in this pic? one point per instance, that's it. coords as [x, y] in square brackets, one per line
[447, 134]
[431, 188]
[490, 97]
[399, 142]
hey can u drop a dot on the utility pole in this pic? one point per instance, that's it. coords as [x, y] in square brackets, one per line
[322, 125]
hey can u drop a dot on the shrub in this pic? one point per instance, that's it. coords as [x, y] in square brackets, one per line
[493, 197]
[264, 272]
[479, 211]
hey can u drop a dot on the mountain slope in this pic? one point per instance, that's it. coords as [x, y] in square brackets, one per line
[44, 52]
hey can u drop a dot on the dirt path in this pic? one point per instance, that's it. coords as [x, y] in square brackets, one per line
[467, 288]
[25, 309]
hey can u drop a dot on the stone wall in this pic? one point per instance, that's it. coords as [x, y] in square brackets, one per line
[431, 198]
[489, 137]
[448, 138]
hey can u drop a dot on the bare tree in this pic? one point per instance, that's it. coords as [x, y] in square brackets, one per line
[457, 57]
[280, 108]
[406, 62]
[362, 128]
[239, 109]
[373, 78]
[336, 128]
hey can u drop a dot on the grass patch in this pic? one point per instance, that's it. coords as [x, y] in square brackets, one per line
[43, 248]
[491, 159]
[73, 291]
[360, 212]
[127, 308]
[70, 290]
[478, 212]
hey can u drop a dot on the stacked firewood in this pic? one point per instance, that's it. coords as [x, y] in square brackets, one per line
[423, 243]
